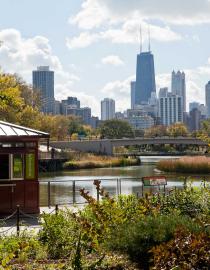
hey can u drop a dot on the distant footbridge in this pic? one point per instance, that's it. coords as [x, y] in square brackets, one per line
[106, 146]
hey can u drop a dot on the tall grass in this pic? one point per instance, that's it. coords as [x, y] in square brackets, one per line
[89, 161]
[198, 164]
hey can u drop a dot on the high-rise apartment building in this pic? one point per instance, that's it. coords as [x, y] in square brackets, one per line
[170, 109]
[194, 120]
[163, 92]
[145, 78]
[139, 119]
[133, 89]
[194, 105]
[107, 109]
[69, 103]
[178, 86]
[207, 92]
[43, 81]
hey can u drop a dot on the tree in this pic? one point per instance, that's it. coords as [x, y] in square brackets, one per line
[156, 131]
[11, 102]
[31, 97]
[30, 117]
[177, 129]
[116, 129]
[76, 127]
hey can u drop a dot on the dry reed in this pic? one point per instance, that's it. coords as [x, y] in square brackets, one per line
[198, 164]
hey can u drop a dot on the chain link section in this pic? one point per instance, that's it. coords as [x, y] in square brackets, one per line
[8, 217]
[10, 228]
[27, 215]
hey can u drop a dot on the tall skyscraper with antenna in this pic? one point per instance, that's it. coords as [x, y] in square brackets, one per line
[145, 74]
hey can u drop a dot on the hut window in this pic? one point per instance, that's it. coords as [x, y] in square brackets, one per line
[30, 144]
[17, 166]
[4, 166]
[30, 165]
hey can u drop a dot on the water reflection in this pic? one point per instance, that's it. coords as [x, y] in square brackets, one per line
[62, 192]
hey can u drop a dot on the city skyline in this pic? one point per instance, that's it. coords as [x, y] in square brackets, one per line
[95, 56]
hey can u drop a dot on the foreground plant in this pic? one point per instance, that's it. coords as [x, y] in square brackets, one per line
[186, 251]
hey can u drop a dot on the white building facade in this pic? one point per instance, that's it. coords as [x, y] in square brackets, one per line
[178, 86]
[170, 109]
[107, 109]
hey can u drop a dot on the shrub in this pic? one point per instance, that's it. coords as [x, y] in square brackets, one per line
[193, 202]
[185, 252]
[20, 249]
[137, 238]
[59, 233]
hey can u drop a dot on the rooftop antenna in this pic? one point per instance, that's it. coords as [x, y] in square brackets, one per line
[140, 39]
[149, 39]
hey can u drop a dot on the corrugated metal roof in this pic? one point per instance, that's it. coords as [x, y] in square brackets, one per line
[8, 129]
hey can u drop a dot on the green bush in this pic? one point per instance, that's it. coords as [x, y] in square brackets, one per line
[59, 233]
[193, 202]
[137, 238]
[20, 248]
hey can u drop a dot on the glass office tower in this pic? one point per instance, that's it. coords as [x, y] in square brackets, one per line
[145, 78]
[43, 80]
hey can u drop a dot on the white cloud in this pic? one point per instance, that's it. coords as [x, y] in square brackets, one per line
[92, 14]
[126, 34]
[20, 55]
[114, 60]
[163, 80]
[83, 40]
[118, 20]
[95, 13]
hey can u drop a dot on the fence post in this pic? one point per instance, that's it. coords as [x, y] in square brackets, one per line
[142, 189]
[18, 220]
[164, 190]
[97, 190]
[74, 191]
[49, 195]
[204, 182]
[56, 209]
[185, 182]
[117, 187]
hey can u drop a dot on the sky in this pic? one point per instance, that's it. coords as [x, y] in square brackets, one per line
[92, 44]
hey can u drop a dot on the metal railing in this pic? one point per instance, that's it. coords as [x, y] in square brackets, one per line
[74, 187]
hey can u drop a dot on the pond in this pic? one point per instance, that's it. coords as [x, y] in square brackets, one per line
[126, 180]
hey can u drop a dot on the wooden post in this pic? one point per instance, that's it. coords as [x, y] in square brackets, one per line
[49, 195]
[18, 220]
[56, 209]
[142, 189]
[74, 191]
[97, 190]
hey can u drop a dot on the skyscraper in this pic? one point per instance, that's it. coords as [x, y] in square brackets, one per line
[208, 99]
[178, 86]
[43, 80]
[107, 109]
[193, 105]
[133, 86]
[145, 78]
[170, 109]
